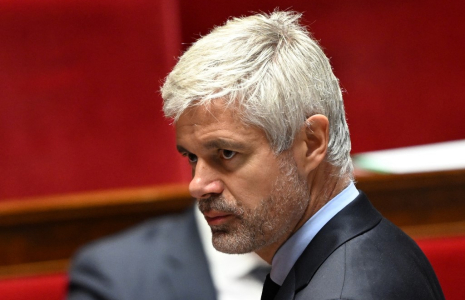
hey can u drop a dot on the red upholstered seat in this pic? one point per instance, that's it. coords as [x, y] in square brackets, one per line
[79, 103]
[50, 287]
[447, 255]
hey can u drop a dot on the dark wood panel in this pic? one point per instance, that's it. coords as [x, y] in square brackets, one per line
[158, 200]
[417, 199]
[40, 235]
[53, 228]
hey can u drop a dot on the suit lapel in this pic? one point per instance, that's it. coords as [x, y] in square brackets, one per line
[356, 218]
[288, 289]
[188, 268]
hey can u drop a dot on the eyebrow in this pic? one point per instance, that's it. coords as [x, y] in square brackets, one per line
[224, 144]
[216, 144]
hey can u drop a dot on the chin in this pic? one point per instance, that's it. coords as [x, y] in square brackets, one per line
[231, 244]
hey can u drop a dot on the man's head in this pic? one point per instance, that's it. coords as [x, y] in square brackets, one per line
[258, 112]
[273, 70]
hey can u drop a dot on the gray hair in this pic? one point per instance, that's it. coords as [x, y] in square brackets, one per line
[270, 69]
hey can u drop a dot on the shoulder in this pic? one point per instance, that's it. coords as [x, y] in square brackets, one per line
[133, 252]
[134, 242]
[132, 264]
[380, 263]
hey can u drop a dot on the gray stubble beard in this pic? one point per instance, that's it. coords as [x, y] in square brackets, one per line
[275, 215]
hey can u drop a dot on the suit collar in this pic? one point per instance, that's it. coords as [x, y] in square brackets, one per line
[356, 218]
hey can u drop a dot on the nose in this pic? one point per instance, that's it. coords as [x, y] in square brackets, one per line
[205, 182]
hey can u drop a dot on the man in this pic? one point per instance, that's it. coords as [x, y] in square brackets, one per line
[167, 258]
[259, 116]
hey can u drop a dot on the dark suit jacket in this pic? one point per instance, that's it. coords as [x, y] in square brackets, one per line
[159, 260]
[360, 255]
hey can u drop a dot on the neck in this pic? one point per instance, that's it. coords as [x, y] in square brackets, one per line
[323, 186]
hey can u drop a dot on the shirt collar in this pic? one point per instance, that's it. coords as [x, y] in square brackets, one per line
[290, 251]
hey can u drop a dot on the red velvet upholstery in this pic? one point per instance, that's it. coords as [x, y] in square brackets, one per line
[79, 102]
[50, 287]
[79, 108]
[447, 255]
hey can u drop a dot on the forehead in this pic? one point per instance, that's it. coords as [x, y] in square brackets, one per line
[215, 121]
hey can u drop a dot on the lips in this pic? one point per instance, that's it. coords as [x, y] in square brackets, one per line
[216, 217]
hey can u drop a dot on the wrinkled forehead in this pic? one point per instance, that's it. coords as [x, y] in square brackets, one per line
[214, 121]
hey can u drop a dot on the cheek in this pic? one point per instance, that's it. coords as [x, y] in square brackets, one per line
[252, 187]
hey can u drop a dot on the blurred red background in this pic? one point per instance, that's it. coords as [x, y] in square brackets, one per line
[79, 102]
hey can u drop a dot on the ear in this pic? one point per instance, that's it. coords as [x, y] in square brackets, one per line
[311, 144]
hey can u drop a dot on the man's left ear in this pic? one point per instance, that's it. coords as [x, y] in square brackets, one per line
[312, 143]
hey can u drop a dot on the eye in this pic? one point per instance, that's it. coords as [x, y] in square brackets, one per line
[227, 154]
[192, 158]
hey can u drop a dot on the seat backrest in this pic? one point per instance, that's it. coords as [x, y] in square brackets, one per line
[447, 256]
[79, 103]
[49, 287]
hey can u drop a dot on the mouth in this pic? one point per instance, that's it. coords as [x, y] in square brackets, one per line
[217, 217]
